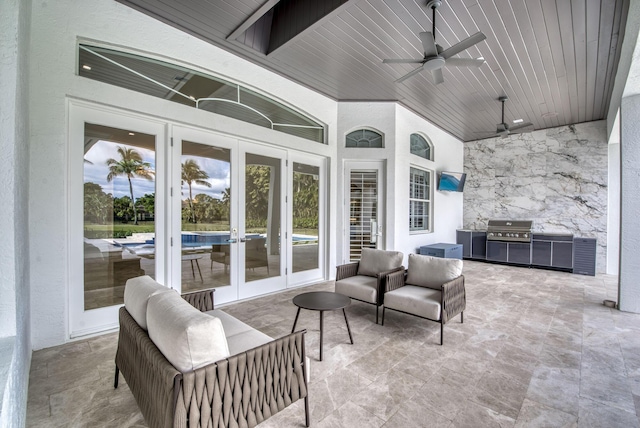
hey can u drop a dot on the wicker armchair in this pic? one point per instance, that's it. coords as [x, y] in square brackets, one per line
[365, 280]
[431, 288]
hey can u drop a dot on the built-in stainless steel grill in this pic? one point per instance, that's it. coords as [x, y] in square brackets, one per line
[509, 230]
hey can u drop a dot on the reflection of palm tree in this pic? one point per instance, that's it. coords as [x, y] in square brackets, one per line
[192, 173]
[129, 165]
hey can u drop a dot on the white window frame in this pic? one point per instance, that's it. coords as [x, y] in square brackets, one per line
[364, 128]
[428, 200]
[429, 143]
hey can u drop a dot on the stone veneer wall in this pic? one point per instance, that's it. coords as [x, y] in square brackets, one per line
[556, 177]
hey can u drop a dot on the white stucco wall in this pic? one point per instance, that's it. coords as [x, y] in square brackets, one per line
[397, 124]
[448, 206]
[15, 343]
[56, 28]
[379, 116]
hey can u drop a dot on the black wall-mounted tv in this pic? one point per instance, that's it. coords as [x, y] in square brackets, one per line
[452, 181]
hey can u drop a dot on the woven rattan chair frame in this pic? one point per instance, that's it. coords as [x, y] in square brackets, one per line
[351, 269]
[452, 299]
[242, 390]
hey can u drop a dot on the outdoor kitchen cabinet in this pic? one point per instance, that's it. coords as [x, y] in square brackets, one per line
[474, 243]
[509, 252]
[552, 250]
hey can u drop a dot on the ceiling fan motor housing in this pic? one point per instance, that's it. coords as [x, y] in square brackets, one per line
[433, 63]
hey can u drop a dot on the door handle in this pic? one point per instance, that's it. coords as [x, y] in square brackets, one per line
[374, 229]
[243, 239]
[232, 241]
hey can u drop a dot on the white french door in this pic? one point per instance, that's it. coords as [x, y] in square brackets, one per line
[204, 203]
[117, 165]
[364, 207]
[191, 208]
[228, 210]
[262, 243]
[306, 210]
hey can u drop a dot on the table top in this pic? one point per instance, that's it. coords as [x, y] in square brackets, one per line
[194, 256]
[321, 301]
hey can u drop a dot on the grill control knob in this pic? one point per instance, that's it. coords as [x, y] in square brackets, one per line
[499, 234]
[525, 235]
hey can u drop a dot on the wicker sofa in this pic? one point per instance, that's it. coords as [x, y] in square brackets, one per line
[246, 378]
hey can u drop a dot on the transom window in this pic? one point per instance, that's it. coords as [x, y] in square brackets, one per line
[202, 91]
[420, 146]
[420, 206]
[364, 138]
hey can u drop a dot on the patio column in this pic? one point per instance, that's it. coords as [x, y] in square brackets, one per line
[629, 280]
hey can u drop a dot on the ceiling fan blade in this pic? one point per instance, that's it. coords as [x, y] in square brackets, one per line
[402, 61]
[409, 74]
[521, 127]
[465, 44]
[428, 44]
[437, 76]
[464, 62]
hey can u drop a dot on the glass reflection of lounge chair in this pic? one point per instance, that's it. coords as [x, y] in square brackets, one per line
[255, 254]
[220, 254]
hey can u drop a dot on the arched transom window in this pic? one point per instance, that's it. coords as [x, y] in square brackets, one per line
[364, 138]
[420, 146]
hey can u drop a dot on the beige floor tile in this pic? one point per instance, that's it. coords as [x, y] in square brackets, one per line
[537, 348]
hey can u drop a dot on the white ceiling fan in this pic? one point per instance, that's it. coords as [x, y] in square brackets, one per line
[435, 57]
[503, 129]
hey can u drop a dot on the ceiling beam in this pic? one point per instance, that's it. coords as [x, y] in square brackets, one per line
[252, 19]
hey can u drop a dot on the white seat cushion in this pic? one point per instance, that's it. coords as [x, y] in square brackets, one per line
[373, 261]
[241, 337]
[432, 272]
[421, 301]
[246, 340]
[188, 338]
[137, 292]
[359, 287]
[231, 325]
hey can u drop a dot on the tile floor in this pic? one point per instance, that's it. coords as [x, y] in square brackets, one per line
[537, 348]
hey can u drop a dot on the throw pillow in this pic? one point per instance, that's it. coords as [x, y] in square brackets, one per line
[373, 261]
[136, 296]
[432, 272]
[189, 339]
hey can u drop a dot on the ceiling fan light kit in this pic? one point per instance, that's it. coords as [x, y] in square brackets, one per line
[435, 57]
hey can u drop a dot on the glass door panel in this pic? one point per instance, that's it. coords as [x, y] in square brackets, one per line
[204, 206]
[365, 213]
[205, 216]
[306, 216]
[114, 217]
[306, 246]
[119, 212]
[261, 245]
[363, 210]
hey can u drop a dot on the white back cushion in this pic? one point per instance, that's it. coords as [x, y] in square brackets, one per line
[432, 272]
[188, 338]
[136, 296]
[373, 261]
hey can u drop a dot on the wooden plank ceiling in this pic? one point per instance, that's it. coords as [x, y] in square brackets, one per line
[555, 59]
